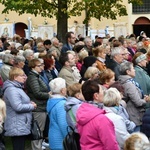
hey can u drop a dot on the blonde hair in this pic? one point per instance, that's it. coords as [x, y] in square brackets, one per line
[82, 54]
[2, 109]
[112, 97]
[97, 50]
[73, 89]
[14, 72]
[90, 72]
[137, 141]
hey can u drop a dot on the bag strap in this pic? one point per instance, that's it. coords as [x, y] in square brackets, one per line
[72, 115]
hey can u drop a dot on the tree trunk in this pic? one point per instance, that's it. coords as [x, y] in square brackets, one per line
[62, 20]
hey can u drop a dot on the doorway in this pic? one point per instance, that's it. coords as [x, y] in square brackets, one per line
[20, 28]
[141, 24]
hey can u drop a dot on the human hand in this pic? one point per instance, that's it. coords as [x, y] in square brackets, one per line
[34, 104]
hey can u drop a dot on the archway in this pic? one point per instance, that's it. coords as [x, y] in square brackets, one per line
[141, 24]
[19, 28]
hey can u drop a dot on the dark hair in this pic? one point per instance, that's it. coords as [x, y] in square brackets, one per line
[68, 35]
[90, 87]
[47, 42]
[6, 45]
[63, 58]
[118, 86]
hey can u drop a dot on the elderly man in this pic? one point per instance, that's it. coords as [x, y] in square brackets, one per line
[115, 61]
[8, 61]
[55, 46]
[68, 61]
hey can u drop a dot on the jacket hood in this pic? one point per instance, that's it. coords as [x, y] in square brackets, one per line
[123, 78]
[53, 101]
[72, 101]
[87, 112]
[9, 83]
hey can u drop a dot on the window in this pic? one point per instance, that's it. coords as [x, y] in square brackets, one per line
[142, 9]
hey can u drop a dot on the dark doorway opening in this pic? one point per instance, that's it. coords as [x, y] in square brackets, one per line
[141, 24]
[138, 28]
[20, 29]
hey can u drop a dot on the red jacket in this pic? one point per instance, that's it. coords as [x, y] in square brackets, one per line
[95, 129]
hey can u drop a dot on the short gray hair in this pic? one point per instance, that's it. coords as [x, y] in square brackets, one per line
[112, 97]
[115, 51]
[124, 67]
[7, 57]
[18, 59]
[27, 53]
[57, 84]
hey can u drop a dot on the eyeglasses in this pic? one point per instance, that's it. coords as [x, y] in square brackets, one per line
[40, 65]
[22, 75]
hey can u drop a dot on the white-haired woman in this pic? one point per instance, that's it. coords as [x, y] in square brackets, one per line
[57, 114]
[111, 99]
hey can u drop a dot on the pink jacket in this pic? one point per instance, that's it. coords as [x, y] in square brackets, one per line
[95, 129]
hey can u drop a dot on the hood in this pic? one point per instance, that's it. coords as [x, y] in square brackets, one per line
[53, 101]
[72, 101]
[123, 78]
[87, 112]
[9, 83]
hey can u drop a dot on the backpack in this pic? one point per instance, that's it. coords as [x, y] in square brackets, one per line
[72, 140]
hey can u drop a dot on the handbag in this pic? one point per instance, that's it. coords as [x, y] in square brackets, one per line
[35, 130]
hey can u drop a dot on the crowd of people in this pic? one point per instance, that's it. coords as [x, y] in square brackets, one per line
[100, 88]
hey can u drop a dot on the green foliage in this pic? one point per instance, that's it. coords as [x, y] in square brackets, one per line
[49, 8]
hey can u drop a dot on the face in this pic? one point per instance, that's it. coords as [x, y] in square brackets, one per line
[21, 64]
[38, 67]
[131, 72]
[56, 42]
[102, 55]
[71, 60]
[143, 63]
[72, 39]
[21, 78]
[30, 57]
[119, 58]
[125, 54]
[111, 81]
[98, 97]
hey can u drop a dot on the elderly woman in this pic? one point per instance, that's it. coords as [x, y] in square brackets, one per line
[57, 114]
[8, 61]
[28, 54]
[133, 94]
[19, 62]
[140, 62]
[38, 91]
[18, 109]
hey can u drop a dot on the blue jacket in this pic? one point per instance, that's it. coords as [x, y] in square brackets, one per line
[65, 48]
[18, 109]
[58, 124]
[146, 123]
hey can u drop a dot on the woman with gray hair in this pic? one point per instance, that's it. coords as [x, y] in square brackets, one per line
[8, 60]
[111, 101]
[19, 62]
[133, 94]
[57, 113]
[28, 54]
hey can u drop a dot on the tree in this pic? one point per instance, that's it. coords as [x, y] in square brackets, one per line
[63, 9]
